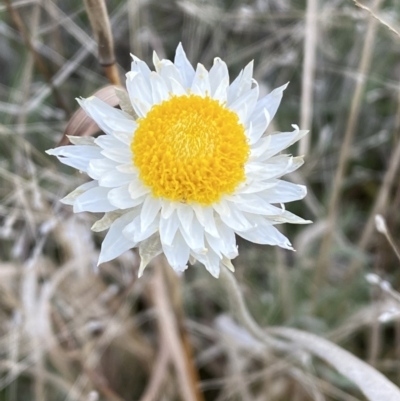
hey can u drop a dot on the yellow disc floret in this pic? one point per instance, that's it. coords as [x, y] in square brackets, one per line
[190, 149]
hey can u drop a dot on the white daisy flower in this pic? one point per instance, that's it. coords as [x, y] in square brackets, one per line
[191, 170]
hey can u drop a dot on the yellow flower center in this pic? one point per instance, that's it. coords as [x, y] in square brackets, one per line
[190, 149]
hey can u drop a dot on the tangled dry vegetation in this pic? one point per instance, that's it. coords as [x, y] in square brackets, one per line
[70, 331]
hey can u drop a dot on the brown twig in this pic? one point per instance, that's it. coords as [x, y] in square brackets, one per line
[100, 22]
[40, 64]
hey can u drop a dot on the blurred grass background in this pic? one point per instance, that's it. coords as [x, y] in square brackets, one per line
[71, 332]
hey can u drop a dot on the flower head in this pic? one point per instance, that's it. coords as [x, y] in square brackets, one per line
[187, 167]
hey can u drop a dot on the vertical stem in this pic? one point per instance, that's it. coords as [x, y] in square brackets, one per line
[100, 22]
[375, 338]
[40, 64]
[383, 195]
[345, 151]
[239, 308]
[310, 47]
[174, 333]
[284, 284]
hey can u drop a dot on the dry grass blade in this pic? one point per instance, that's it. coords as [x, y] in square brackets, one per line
[345, 151]
[158, 376]
[40, 64]
[80, 124]
[100, 22]
[310, 47]
[372, 383]
[376, 17]
[381, 200]
[169, 329]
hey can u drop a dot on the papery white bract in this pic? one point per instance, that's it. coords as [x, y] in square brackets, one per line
[191, 171]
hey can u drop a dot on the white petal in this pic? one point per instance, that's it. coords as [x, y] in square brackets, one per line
[133, 230]
[108, 141]
[120, 155]
[221, 92]
[177, 253]
[168, 228]
[244, 105]
[159, 88]
[214, 243]
[262, 146]
[241, 84]
[270, 102]
[99, 167]
[259, 206]
[124, 137]
[193, 235]
[70, 198]
[296, 163]
[282, 141]
[177, 89]
[257, 126]
[169, 72]
[103, 114]
[233, 88]
[222, 207]
[185, 214]
[151, 207]
[115, 178]
[137, 189]
[253, 186]
[205, 215]
[156, 61]
[284, 192]
[115, 243]
[139, 92]
[265, 233]
[127, 168]
[201, 83]
[94, 200]
[211, 261]
[122, 124]
[228, 239]
[121, 198]
[235, 219]
[168, 208]
[217, 75]
[138, 65]
[77, 156]
[266, 171]
[183, 65]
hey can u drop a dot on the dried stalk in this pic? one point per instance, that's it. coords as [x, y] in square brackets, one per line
[153, 390]
[100, 22]
[381, 201]
[309, 59]
[377, 17]
[169, 329]
[345, 151]
[40, 64]
[239, 308]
